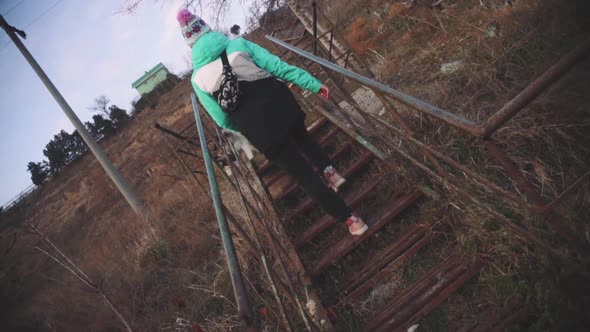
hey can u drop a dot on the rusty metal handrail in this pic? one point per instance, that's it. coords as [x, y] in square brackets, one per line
[485, 129]
[413, 102]
[285, 319]
[482, 131]
[534, 89]
[233, 264]
[314, 6]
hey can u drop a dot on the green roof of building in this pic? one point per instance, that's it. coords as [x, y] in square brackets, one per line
[148, 74]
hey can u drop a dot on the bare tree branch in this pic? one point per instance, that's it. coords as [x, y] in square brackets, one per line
[214, 11]
[65, 266]
[101, 105]
[48, 241]
[69, 265]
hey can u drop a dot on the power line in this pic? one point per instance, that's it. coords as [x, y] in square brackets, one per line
[8, 11]
[33, 21]
[44, 13]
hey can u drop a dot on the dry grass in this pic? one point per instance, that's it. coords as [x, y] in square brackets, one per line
[548, 140]
[159, 280]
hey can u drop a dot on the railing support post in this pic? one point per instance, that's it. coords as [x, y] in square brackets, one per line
[226, 238]
[314, 6]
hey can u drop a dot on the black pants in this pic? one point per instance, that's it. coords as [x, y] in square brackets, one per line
[289, 156]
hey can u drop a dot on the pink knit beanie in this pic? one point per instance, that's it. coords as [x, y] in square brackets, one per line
[192, 26]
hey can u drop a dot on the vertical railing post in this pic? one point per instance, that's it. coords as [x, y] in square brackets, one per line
[331, 44]
[314, 6]
[226, 238]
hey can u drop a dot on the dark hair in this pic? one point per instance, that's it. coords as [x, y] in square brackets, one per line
[235, 29]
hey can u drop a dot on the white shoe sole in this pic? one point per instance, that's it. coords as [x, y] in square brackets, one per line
[360, 231]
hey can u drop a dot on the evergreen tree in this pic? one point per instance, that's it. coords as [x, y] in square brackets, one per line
[118, 115]
[56, 151]
[65, 148]
[100, 127]
[92, 129]
[39, 172]
[77, 145]
[104, 127]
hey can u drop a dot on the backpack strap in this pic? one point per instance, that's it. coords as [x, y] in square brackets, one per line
[224, 59]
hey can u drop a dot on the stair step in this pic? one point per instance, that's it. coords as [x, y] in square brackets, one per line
[307, 203]
[426, 294]
[398, 253]
[327, 137]
[387, 213]
[316, 125]
[311, 129]
[333, 156]
[326, 221]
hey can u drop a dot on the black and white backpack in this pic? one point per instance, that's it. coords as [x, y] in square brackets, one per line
[229, 91]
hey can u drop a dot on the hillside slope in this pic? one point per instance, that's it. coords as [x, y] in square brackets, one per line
[82, 212]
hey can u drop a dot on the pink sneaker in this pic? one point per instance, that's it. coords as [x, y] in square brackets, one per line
[334, 180]
[356, 225]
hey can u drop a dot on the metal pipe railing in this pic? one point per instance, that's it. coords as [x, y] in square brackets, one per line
[534, 89]
[314, 6]
[408, 100]
[233, 264]
[483, 130]
[234, 174]
[17, 198]
[262, 214]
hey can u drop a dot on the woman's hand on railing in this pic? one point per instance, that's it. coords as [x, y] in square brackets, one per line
[324, 92]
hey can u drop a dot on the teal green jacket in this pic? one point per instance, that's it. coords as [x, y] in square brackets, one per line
[249, 61]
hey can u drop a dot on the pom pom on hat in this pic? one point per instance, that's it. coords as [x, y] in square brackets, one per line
[184, 16]
[192, 26]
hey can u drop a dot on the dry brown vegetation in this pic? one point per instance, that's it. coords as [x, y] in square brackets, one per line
[147, 275]
[548, 140]
[177, 275]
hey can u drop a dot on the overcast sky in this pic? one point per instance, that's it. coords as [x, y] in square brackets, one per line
[86, 51]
